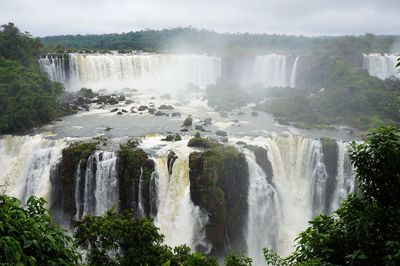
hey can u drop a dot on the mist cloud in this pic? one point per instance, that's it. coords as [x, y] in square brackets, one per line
[307, 17]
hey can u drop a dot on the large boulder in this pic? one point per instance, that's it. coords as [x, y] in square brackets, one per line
[219, 186]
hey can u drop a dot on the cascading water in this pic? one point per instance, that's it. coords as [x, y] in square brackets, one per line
[271, 70]
[264, 211]
[281, 210]
[381, 66]
[25, 163]
[345, 176]
[178, 219]
[54, 67]
[101, 184]
[149, 71]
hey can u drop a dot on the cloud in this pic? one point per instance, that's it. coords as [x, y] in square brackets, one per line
[307, 17]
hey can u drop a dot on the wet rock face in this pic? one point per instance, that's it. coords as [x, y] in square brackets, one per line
[130, 166]
[219, 186]
[330, 152]
[263, 161]
[170, 161]
[63, 181]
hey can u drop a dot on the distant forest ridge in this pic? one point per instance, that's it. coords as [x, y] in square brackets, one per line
[196, 40]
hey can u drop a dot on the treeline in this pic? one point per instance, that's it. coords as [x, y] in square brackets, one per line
[365, 230]
[27, 97]
[205, 41]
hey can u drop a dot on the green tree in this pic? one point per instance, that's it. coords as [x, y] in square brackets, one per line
[28, 236]
[122, 239]
[237, 260]
[365, 230]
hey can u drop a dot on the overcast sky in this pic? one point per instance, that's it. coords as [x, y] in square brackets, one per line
[307, 17]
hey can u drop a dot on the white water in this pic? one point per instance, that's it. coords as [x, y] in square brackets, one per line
[101, 184]
[178, 218]
[278, 212]
[144, 71]
[345, 176]
[54, 67]
[264, 212]
[382, 66]
[25, 165]
[270, 70]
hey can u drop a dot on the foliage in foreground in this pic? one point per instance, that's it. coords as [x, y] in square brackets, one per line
[121, 239]
[27, 236]
[365, 230]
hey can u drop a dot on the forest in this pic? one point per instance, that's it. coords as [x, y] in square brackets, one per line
[27, 97]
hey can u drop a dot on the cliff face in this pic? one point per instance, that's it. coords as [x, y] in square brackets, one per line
[330, 152]
[132, 167]
[134, 171]
[63, 180]
[219, 185]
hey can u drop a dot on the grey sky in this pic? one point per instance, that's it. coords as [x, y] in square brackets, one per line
[307, 17]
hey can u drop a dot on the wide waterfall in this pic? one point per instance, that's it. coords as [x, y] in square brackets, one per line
[270, 70]
[382, 66]
[301, 183]
[116, 71]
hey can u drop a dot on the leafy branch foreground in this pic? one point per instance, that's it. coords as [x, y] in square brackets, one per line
[365, 230]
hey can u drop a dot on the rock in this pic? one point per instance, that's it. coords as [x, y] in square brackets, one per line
[121, 98]
[198, 127]
[170, 161]
[188, 121]
[241, 143]
[166, 96]
[207, 121]
[219, 182]
[159, 113]
[176, 114]
[142, 108]
[129, 102]
[166, 107]
[184, 130]
[224, 140]
[124, 111]
[221, 133]
[235, 121]
[152, 98]
[223, 114]
[254, 113]
[200, 142]
[133, 110]
[263, 161]
[240, 113]
[133, 163]
[151, 110]
[120, 113]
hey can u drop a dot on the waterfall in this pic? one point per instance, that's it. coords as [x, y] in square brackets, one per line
[140, 194]
[381, 66]
[54, 67]
[264, 212]
[178, 219]
[293, 74]
[270, 70]
[25, 163]
[279, 211]
[148, 71]
[101, 184]
[345, 177]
